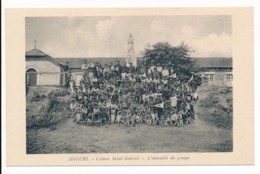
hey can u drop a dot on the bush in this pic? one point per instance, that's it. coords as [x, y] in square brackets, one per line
[46, 107]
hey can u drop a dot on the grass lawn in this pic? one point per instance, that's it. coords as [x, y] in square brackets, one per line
[202, 136]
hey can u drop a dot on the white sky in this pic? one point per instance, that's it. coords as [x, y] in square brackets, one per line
[208, 36]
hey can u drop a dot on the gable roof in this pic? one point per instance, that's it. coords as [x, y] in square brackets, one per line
[38, 53]
[35, 53]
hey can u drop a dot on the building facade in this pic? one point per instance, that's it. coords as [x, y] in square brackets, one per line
[215, 71]
[41, 69]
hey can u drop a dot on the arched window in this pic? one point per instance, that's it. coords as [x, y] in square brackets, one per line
[31, 77]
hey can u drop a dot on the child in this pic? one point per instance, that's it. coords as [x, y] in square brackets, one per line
[154, 118]
[138, 116]
[174, 118]
[96, 110]
[84, 111]
[119, 116]
[78, 115]
[113, 115]
[173, 100]
[148, 117]
[124, 118]
[73, 106]
[108, 105]
[149, 73]
[180, 121]
[132, 116]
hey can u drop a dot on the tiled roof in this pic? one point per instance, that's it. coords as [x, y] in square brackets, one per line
[77, 62]
[213, 62]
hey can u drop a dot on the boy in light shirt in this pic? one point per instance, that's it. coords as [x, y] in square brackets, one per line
[173, 100]
[165, 72]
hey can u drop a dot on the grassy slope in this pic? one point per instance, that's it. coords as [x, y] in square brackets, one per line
[45, 106]
[216, 106]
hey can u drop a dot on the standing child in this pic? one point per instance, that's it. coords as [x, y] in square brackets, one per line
[113, 115]
[119, 116]
[154, 117]
[180, 121]
[73, 107]
[78, 115]
[84, 111]
[174, 118]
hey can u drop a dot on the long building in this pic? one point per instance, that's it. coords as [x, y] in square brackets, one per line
[42, 69]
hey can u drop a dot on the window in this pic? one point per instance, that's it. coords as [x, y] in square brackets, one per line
[31, 77]
[210, 78]
[229, 79]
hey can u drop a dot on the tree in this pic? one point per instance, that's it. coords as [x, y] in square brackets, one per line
[177, 58]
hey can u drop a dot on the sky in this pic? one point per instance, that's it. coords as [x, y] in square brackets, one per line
[95, 36]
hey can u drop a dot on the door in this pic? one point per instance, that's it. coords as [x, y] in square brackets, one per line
[31, 75]
[78, 78]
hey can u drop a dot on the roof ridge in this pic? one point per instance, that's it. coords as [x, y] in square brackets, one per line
[43, 54]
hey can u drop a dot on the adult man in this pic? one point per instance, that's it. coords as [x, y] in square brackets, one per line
[116, 72]
[112, 67]
[131, 68]
[125, 68]
[66, 67]
[156, 74]
[84, 68]
[106, 71]
[84, 65]
[96, 70]
[118, 69]
[115, 97]
[67, 79]
[66, 73]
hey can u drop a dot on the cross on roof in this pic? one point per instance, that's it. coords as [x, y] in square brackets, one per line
[35, 44]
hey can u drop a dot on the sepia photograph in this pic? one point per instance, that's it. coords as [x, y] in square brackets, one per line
[129, 84]
[129, 87]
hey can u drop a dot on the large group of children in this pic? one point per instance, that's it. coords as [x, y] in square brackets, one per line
[124, 94]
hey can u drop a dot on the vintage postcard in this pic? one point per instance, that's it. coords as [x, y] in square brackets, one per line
[162, 86]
